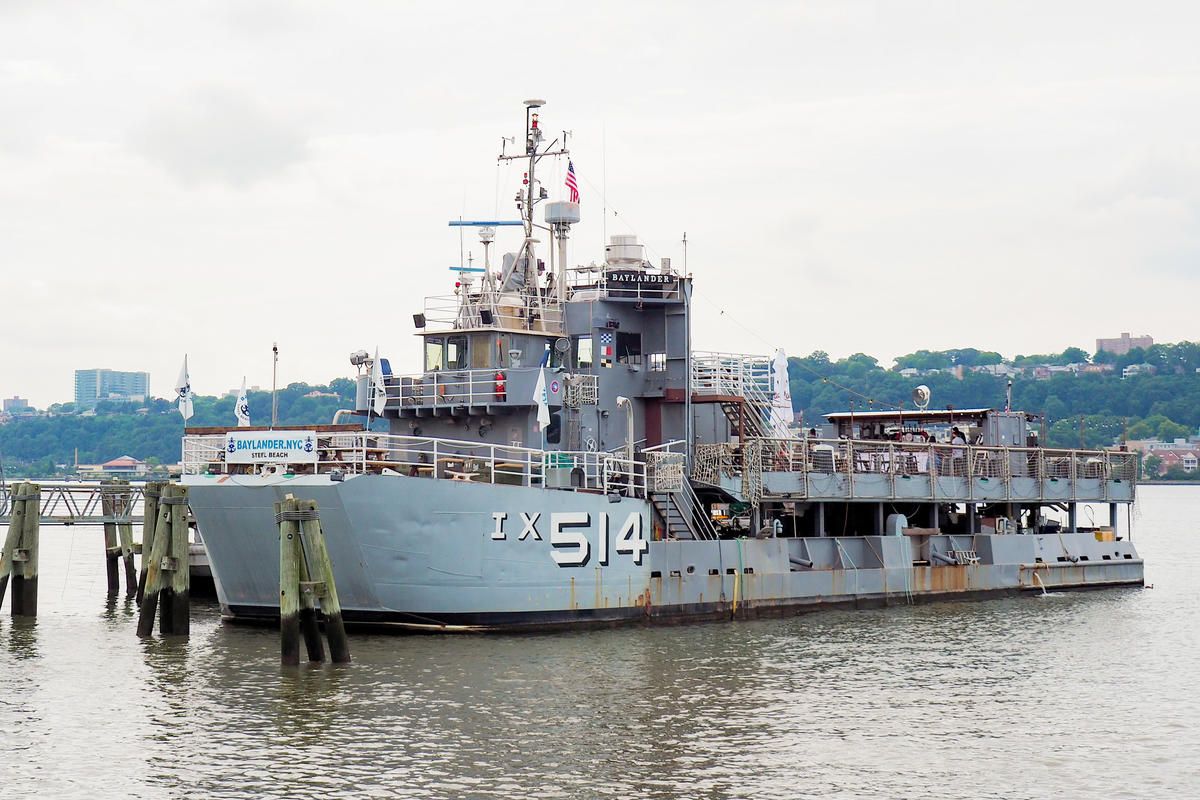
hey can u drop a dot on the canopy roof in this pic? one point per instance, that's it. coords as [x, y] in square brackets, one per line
[914, 416]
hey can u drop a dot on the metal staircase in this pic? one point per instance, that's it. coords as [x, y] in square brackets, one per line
[742, 385]
[683, 515]
[755, 418]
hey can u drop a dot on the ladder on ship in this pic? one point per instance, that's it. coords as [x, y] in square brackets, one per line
[683, 515]
[747, 419]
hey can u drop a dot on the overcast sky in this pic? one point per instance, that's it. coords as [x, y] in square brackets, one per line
[879, 177]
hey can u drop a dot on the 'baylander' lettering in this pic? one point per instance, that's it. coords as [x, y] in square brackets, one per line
[640, 277]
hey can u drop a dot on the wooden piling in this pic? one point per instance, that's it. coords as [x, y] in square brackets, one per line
[179, 611]
[157, 550]
[149, 522]
[335, 628]
[124, 504]
[289, 583]
[25, 557]
[310, 629]
[13, 540]
[112, 551]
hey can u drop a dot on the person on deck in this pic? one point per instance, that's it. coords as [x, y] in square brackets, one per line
[958, 453]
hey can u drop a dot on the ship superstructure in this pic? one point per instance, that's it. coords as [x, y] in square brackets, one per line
[565, 457]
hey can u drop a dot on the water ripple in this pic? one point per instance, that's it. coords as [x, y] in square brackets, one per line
[1075, 694]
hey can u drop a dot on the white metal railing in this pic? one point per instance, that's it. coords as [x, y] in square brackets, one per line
[451, 387]
[858, 457]
[507, 310]
[355, 453]
[604, 281]
[734, 374]
[673, 446]
[943, 460]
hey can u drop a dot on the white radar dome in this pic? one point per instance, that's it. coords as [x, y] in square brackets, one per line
[562, 212]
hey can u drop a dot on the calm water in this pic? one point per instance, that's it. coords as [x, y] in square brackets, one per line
[1072, 695]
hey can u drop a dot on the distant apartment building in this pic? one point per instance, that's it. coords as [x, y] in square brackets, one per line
[17, 405]
[94, 385]
[1123, 344]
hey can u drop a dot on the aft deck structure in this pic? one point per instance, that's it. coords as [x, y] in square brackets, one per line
[855, 484]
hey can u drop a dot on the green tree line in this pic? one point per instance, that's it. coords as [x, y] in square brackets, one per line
[151, 432]
[1164, 405]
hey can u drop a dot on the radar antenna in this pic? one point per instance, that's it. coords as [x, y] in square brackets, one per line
[530, 195]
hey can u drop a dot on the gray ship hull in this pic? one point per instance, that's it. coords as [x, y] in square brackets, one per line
[449, 554]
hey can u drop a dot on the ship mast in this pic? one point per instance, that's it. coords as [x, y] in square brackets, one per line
[528, 198]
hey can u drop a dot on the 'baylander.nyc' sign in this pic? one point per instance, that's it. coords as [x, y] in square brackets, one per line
[271, 447]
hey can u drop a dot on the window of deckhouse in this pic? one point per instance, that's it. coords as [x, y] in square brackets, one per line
[583, 352]
[629, 348]
[456, 352]
[434, 353]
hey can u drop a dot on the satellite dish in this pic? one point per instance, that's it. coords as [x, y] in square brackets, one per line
[920, 397]
[562, 345]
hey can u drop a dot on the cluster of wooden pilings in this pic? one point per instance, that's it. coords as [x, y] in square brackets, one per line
[19, 559]
[166, 587]
[116, 500]
[306, 582]
[162, 587]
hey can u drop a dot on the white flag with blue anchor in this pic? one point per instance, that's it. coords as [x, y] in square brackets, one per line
[542, 400]
[183, 388]
[378, 387]
[242, 408]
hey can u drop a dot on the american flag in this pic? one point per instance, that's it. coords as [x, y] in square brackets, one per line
[572, 186]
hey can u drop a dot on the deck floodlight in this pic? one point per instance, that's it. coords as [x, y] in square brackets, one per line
[485, 316]
[419, 320]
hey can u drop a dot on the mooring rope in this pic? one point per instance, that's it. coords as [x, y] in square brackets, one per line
[297, 516]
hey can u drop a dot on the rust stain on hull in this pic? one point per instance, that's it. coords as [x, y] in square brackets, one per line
[942, 579]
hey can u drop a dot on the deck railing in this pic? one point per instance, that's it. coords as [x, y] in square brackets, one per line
[508, 311]
[851, 457]
[448, 388]
[733, 374]
[602, 282]
[357, 453]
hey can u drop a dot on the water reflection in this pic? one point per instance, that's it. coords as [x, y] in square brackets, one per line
[21, 640]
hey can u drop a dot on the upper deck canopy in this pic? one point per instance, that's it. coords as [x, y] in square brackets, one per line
[918, 417]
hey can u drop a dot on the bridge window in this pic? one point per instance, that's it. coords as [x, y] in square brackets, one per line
[456, 352]
[629, 348]
[583, 352]
[434, 353]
